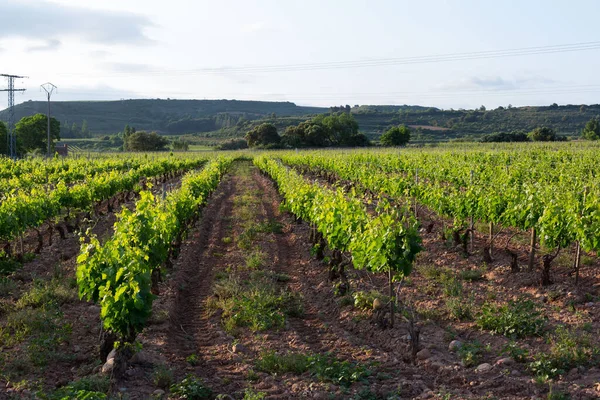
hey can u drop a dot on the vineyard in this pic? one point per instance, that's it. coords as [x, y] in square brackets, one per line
[456, 272]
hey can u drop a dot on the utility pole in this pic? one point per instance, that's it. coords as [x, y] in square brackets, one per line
[11, 138]
[49, 88]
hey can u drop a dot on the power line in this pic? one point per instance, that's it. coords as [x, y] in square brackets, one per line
[375, 62]
[11, 139]
[49, 89]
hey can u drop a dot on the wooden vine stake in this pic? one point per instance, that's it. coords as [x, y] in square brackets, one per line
[532, 249]
[578, 243]
[491, 240]
[415, 199]
[472, 226]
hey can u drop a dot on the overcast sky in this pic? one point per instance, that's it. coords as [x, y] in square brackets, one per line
[311, 52]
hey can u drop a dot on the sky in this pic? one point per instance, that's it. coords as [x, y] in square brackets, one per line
[440, 53]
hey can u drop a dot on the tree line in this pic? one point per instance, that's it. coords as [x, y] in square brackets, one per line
[338, 129]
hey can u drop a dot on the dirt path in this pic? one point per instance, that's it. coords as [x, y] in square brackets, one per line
[191, 330]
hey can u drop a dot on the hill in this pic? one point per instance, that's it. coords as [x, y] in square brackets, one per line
[211, 120]
[165, 116]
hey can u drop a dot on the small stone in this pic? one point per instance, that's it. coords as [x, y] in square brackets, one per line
[76, 349]
[239, 348]
[146, 358]
[515, 372]
[573, 373]
[111, 355]
[589, 304]
[485, 367]
[158, 392]
[505, 361]
[423, 354]
[427, 394]
[455, 345]
[377, 304]
[108, 366]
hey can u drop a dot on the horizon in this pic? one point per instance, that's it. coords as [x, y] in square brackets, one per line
[467, 54]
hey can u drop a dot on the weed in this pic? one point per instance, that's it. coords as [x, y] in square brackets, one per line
[162, 377]
[460, 308]
[364, 300]
[192, 359]
[430, 314]
[250, 394]
[452, 287]
[191, 388]
[252, 376]
[270, 226]
[46, 294]
[92, 387]
[568, 349]
[258, 304]
[516, 319]
[366, 394]
[470, 353]
[256, 260]
[557, 395]
[8, 265]
[271, 275]
[346, 301]
[37, 323]
[7, 286]
[472, 275]
[517, 353]
[226, 240]
[324, 367]
[435, 273]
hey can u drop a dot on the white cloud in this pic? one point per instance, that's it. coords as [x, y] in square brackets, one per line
[40, 20]
[49, 45]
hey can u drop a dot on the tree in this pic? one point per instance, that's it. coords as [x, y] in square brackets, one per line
[263, 135]
[543, 134]
[181, 145]
[592, 129]
[84, 129]
[396, 136]
[32, 133]
[144, 141]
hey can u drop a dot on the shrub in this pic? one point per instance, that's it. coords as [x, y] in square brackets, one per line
[516, 319]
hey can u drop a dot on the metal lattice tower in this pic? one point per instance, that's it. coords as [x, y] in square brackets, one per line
[11, 139]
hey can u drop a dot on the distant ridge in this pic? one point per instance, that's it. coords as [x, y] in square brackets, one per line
[156, 114]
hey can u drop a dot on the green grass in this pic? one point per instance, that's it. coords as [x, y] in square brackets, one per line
[257, 304]
[47, 294]
[256, 260]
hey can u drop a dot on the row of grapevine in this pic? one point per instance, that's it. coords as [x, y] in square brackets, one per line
[20, 211]
[560, 204]
[118, 274]
[384, 242]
